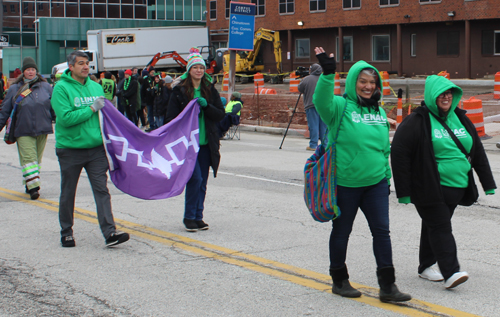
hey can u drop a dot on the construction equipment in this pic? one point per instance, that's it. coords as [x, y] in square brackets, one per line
[211, 63]
[251, 62]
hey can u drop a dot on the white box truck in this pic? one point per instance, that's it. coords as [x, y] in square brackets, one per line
[116, 49]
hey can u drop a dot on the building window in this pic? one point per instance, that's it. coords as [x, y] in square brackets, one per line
[287, 6]
[413, 45]
[389, 2]
[228, 8]
[302, 48]
[4, 8]
[260, 6]
[12, 8]
[317, 5]
[25, 8]
[347, 55]
[490, 42]
[351, 4]
[381, 48]
[429, 1]
[213, 10]
[448, 43]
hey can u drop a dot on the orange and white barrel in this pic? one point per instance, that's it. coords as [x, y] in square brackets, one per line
[474, 108]
[336, 90]
[225, 82]
[294, 82]
[258, 81]
[399, 112]
[386, 91]
[266, 91]
[496, 94]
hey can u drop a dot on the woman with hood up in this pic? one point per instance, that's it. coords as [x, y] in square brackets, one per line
[34, 121]
[363, 172]
[431, 172]
[196, 83]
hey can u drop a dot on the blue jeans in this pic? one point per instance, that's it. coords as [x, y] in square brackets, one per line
[374, 203]
[159, 121]
[317, 128]
[196, 188]
[151, 118]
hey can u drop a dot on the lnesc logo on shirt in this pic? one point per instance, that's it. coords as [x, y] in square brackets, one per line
[368, 118]
[84, 101]
[442, 133]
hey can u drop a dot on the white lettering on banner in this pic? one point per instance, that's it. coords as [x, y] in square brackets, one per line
[368, 118]
[158, 161]
[242, 9]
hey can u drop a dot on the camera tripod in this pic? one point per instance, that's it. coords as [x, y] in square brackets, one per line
[291, 118]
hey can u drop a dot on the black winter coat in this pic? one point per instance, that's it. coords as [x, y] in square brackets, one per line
[35, 114]
[147, 91]
[162, 95]
[130, 94]
[414, 164]
[214, 112]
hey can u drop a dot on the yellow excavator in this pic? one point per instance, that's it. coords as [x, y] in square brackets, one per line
[252, 62]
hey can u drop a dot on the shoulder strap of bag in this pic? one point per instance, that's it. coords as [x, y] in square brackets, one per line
[453, 136]
[340, 122]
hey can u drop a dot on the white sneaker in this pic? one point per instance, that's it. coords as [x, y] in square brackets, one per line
[456, 279]
[432, 273]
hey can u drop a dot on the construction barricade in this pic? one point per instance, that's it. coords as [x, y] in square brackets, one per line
[496, 94]
[225, 82]
[294, 82]
[336, 90]
[399, 111]
[258, 81]
[445, 74]
[474, 108]
[385, 82]
[266, 91]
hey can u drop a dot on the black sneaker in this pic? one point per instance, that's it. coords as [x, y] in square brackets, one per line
[116, 238]
[191, 225]
[34, 193]
[68, 242]
[202, 225]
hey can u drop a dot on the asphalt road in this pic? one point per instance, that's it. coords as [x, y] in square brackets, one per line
[263, 254]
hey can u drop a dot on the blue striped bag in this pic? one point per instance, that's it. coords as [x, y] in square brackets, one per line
[320, 181]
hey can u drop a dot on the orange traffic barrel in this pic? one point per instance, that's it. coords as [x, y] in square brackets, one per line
[266, 91]
[445, 74]
[385, 82]
[474, 108]
[225, 82]
[294, 82]
[258, 81]
[399, 113]
[496, 95]
[336, 90]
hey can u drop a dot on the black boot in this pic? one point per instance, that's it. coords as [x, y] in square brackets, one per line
[34, 193]
[341, 285]
[388, 290]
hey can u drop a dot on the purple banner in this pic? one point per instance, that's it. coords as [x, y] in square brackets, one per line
[153, 165]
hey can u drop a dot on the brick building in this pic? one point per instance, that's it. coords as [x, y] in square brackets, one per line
[407, 37]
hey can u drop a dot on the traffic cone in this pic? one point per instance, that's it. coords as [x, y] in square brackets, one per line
[336, 90]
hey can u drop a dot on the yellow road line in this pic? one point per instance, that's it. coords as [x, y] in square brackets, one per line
[282, 271]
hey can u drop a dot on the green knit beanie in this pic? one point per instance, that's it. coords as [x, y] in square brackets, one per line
[29, 62]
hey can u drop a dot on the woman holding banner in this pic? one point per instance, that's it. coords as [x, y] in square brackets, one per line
[195, 83]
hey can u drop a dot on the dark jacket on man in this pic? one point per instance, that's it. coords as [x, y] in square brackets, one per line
[419, 178]
[130, 94]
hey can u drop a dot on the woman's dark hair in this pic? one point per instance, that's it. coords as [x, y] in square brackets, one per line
[204, 87]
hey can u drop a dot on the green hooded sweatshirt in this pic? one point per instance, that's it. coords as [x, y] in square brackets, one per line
[452, 164]
[77, 126]
[363, 143]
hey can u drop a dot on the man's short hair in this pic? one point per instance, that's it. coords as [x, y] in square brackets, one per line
[71, 59]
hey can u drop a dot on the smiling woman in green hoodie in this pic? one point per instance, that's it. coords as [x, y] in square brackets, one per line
[431, 172]
[363, 171]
